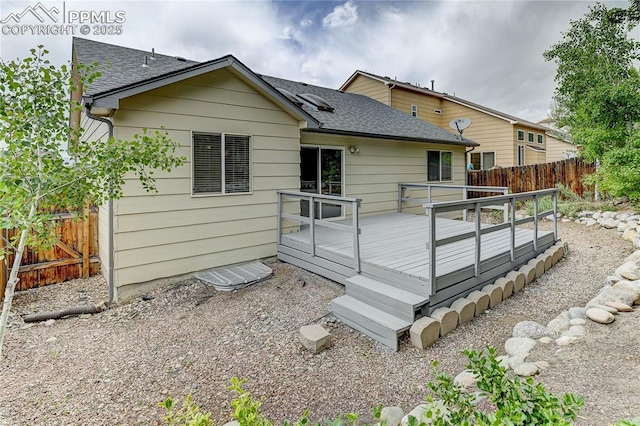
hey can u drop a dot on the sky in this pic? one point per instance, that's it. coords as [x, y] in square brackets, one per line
[488, 52]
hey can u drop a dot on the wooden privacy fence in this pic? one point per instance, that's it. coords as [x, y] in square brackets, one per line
[536, 176]
[75, 254]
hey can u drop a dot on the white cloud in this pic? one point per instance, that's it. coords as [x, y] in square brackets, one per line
[486, 52]
[342, 16]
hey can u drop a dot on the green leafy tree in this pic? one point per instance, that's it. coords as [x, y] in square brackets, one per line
[36, 178]
[598, 90]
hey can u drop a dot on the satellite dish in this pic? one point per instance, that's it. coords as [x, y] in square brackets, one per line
[460, 124]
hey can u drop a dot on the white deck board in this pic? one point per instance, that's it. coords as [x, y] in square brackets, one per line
[399, 241]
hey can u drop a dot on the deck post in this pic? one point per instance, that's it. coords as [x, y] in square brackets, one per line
[513, 229]
[555, 216]
[279, 224]
[356, 235]
[478, 236]
[428, 193]
[535, 222]
[465, 195]
[312, 226]
[506, 206]
[432, 249]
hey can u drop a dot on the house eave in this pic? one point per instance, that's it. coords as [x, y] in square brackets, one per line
[464, 142]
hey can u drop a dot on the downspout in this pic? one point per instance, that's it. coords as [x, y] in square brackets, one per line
[390, 87]
[111, 269]
[466, 165]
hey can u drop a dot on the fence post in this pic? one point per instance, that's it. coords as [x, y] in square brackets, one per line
[86, 233]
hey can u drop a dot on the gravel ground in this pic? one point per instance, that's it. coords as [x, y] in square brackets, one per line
[114, 367]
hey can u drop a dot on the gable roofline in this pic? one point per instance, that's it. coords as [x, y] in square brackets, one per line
[513, 120]
[110, 99]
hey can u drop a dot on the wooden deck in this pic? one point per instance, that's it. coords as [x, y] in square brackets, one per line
[398, 243]
[385, 261]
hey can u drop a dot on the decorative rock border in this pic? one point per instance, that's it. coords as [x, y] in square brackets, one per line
[422, 332]
[627, 224]
[618, 295]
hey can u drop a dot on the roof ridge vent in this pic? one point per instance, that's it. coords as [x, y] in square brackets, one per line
[181, 59]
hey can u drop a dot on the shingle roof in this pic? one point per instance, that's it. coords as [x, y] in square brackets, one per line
[354, 114]
[121, 66]
[442, 95]
[361, 115]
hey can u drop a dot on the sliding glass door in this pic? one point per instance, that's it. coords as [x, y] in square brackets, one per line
[322, 172]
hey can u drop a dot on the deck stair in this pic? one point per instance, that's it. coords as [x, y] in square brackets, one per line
[377, 309]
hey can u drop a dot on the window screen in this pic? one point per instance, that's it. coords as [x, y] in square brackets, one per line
[221, 163]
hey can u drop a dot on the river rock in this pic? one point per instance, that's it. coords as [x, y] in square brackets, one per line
[526, 369]
[610, 223]
[565, 340]
[600, 316]
[558, 325]
[466, 380]
[419, 413]
[577, 312]
[612, 294]
[530, 329]
[630, 269]
[591, 222]
[620, 307]
[519, 347]
[631, 287]
[391, 416]
[578, 321]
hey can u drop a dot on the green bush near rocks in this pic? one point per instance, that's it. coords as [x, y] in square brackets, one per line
[509, 401]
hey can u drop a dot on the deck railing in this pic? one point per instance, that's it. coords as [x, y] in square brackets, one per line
[476, 204]
[464, 189]
[311, 220]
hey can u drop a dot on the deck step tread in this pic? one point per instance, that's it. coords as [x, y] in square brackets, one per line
[366, 312]
[387, 290]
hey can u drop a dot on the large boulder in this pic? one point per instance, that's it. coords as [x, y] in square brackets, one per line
[613, 294]
[519, 347]
[630, 269]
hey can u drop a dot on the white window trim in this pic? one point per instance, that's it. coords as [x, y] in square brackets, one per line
[222, 164]
[524, 135]
[533, 138]
[452, 165]
[523, 155]
[538, 137]
[482, 157]
[414, 110]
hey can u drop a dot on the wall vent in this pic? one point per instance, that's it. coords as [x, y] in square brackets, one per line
[437, 111]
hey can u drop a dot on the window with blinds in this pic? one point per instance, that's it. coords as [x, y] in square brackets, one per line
[221, 163]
